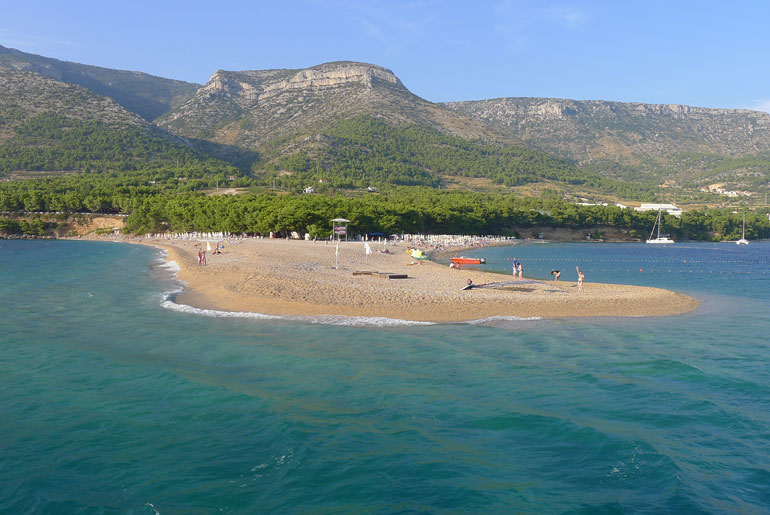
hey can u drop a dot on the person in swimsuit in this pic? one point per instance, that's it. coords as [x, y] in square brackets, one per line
[581, 278]
[556, 274]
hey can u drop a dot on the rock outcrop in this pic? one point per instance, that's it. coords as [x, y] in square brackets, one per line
[586, 130]
[249, 108]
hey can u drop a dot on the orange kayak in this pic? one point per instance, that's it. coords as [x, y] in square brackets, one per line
[468, 261]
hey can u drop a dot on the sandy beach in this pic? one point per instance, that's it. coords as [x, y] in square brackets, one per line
[282, 277]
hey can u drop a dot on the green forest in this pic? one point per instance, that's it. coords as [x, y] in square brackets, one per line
[162, 185]
[151, 209]
[52, 142]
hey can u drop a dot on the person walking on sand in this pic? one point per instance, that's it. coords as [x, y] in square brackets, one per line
[581, 278]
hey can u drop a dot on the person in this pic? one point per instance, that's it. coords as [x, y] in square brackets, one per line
[200, 257]
[469, 285]
[581, 278]
[556, 274]
[203, 257]
[520, 269]
[515, 267]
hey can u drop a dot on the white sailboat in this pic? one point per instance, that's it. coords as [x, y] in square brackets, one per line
[659, 239]
[743, 240]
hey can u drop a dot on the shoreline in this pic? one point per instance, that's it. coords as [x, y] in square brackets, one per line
[298, 278]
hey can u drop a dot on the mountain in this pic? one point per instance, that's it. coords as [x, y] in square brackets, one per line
[28, 94]
[631, 140]
[354, 124]
[50, 125]
[141, 93]
[250, 108]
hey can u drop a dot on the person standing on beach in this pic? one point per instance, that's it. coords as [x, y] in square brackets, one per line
[515, 267]
[203, 257]
[520, 269]
[581, 278]
[200, 258]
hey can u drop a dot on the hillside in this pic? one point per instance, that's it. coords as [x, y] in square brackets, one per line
[141, 93]
[28, 94]
[50, 125]
[356, 124]
[251, 108]
[689, 146]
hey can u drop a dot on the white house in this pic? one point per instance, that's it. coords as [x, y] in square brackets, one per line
[670, 209]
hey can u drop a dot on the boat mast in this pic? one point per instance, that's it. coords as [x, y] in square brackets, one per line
[743, 237]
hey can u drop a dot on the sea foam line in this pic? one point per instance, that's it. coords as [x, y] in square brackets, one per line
[340, 320]
[168, 301]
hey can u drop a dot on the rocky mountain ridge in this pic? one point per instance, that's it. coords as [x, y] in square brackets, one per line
[587, 130]
[250, 108]
[286, 112]
[147, 95]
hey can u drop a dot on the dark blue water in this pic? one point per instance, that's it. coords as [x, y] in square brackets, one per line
[111, 403]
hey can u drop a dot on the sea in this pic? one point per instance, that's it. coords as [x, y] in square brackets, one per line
[116, 399]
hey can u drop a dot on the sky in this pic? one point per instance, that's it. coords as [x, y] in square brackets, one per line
[697, 53]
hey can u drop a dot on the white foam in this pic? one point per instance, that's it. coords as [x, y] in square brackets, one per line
[168, 302]
[501, 319]
[340, 320]
[172, 266]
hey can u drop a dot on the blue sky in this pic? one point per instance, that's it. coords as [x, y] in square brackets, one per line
[709, 54]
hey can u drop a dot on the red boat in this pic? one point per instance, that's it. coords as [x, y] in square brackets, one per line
[468, 261]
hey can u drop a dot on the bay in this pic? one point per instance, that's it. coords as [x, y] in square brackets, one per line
[114, 403]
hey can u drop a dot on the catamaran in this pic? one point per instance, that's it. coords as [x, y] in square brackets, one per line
[659, 239]
[743, 240]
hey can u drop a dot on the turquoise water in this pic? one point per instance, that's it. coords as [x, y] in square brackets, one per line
[112, 403]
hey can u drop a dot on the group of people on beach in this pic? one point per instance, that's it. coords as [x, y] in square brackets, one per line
[581, 277]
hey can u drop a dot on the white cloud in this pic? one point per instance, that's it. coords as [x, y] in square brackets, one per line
[391, 24]
[519, 21]
[566, 16]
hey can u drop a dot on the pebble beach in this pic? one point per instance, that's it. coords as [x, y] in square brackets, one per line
[290, 277]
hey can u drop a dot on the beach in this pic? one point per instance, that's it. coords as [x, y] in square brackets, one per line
[290, 277]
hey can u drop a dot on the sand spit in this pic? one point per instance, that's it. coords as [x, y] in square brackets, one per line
[281, 277]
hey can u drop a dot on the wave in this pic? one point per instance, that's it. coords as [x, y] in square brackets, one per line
[341, 320]
[168, 301]
[508, 318]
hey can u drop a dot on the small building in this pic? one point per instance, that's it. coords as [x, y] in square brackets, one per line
[323, 181]
[670, 209]
[371, 189]
[309, 189]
